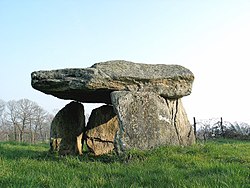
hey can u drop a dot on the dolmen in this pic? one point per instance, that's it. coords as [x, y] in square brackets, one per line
[143, 106]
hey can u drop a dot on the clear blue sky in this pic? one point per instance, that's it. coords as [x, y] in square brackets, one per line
[211, 38]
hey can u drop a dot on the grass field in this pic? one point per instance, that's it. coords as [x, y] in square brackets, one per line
[221, 163]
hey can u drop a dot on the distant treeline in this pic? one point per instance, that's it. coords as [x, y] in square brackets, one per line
[217, 128]
[24, 121]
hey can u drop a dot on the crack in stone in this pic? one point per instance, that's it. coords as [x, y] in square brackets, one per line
[174, 122]
[100, 140]
[190, 131]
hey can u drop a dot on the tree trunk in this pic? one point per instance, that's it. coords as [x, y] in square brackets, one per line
[19, 137]
[15, 132]
[34, 137]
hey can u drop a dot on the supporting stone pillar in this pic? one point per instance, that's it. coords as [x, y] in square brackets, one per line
[146, 120]
[101, 130]
[67, 129]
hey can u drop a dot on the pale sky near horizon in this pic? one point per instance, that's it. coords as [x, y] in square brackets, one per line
[211, 38]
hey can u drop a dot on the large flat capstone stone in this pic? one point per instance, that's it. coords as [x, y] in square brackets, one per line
[95, 84]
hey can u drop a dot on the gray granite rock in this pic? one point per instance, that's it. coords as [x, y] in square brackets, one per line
[95, 84]
[146, 120]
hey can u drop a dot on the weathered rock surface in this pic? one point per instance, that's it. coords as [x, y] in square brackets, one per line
[147, 120]
[67, 129]
[147, 111]
[95, 84]
[101, 129]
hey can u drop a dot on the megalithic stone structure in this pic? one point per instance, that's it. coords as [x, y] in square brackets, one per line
[146, 99]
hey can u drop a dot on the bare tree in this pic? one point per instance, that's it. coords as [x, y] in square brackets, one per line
[25, 109]
[2, 107]
[3, 124]
[41, 123]
[27, 120]
[12, 117]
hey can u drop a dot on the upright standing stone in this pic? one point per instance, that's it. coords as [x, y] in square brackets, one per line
[147, 120]
[67, 129]
[101, 129]
[183, 128]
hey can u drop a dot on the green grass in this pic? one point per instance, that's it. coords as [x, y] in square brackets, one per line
[220, 163]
